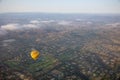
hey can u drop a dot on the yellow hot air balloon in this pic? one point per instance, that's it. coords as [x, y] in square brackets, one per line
[35, 54]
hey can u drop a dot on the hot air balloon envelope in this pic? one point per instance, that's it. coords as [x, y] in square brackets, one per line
[35, 54]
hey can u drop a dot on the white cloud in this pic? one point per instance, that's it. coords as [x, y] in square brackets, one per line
[112, 25]
[27, 26]
[89, 22]
[64, 23]
[47, 21]
[17, 27]
[34, 22]
[11, 27]
[79, 19]
[9, 40]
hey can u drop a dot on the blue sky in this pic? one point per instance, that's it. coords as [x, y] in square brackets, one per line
[61, 6]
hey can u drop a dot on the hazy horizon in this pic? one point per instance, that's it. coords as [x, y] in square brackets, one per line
[61, 6]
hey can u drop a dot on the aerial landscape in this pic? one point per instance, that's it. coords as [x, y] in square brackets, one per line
[77, 47]
[71, 45]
